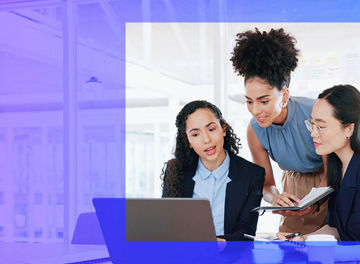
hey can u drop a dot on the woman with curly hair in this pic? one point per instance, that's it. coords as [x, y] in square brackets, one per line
[206, 166]
[266, 60]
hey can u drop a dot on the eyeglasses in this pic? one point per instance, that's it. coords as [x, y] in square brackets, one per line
[312, 127]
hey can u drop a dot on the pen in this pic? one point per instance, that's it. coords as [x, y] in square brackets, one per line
[293, 201]
[260, 238]
[293, 235]
[249, 236]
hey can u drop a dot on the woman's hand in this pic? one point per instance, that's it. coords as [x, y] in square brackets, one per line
[282, 236]
[309, 210]
[221, 243]
[285, 199]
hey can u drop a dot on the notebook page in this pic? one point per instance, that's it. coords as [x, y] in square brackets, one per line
[315, 192]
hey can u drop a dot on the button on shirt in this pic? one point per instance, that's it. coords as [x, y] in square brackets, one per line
[212, 186]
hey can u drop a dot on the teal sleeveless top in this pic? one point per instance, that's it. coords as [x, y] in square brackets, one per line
[290, 144]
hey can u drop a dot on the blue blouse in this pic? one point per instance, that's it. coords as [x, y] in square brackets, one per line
[212, 186]
[290, 144]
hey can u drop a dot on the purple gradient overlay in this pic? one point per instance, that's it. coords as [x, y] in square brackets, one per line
[42, 191]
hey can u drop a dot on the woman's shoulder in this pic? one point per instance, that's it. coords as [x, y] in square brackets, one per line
[173, 165]
[254, 124]
[246, 171]
[299, 109]
[244, 163]
[259, 131]
[171, 162]
[303, 102]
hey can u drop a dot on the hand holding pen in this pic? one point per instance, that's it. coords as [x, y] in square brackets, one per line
[280, 236]
[290, 236]
[293, 235]
[285, 199]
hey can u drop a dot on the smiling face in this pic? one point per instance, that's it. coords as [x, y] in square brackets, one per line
[206, 137]
[265, 102]
[332, 136]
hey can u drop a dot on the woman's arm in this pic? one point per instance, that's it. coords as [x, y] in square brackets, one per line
[270, 192]
[261, 158]
[353, 223]
[315, 207]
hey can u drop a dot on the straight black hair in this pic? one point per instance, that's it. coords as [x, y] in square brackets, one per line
[345, 99]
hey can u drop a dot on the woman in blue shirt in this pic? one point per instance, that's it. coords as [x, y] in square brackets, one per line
[276, 131]
[334, 127]
[206, 166]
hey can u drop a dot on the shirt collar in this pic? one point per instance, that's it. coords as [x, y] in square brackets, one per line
[218, 173]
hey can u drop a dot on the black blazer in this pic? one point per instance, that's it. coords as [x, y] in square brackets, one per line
[344, 206]
[243, 193]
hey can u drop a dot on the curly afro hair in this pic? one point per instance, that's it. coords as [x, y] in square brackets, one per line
[185, 157]
[271, 56]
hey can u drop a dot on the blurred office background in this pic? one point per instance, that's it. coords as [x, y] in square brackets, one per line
[62, 102]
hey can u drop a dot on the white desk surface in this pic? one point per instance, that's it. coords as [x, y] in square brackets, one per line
[36, 253]
[59, 253]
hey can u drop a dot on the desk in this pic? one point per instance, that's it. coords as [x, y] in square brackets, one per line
[235, 252]
[287, 252]
[54, 253]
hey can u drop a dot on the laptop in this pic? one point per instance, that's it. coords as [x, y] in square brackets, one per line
[157, 230]
[166, 219]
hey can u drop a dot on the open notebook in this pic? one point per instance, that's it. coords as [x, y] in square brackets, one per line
[315, 195]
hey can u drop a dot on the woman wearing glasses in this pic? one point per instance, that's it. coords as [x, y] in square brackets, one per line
[334, 127]
[265, 60]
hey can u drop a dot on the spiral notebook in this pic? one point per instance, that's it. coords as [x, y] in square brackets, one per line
[274, 239]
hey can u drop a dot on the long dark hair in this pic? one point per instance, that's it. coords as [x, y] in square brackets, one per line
[271, 56]
[185, 157]
[345, 99]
